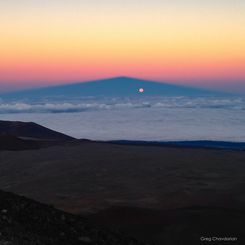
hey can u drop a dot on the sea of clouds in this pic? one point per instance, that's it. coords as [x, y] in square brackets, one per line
[156, 118]
[83, 104]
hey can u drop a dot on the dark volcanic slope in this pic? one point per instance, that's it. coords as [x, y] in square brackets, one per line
[30, 130]
[91, 176]
[175, 227]
[154, 189]
[13, 143]
[26, 222]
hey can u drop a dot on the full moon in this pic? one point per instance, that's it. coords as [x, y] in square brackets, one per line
[141, 90]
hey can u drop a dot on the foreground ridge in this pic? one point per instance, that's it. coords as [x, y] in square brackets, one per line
[27, 222]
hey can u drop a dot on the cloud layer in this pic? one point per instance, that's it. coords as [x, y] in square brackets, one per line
[118, 103]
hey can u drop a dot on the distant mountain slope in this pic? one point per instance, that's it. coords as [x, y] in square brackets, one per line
[30, 130]
[24, 221]
[185, 144]
[120, 86]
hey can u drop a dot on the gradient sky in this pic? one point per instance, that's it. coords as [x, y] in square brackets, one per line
[200, 42]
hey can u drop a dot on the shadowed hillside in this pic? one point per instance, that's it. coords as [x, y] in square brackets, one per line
[11, 142]
[30, 130]
[26, 222]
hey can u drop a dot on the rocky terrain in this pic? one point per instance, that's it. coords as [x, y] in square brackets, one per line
[26, 222]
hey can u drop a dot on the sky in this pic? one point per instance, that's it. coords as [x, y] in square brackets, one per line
[196, 42]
